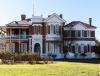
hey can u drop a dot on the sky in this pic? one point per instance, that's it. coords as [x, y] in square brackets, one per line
[72, 10]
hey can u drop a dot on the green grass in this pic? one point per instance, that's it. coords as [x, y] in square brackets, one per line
[56, 69]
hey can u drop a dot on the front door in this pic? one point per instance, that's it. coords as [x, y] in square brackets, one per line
[37, 49]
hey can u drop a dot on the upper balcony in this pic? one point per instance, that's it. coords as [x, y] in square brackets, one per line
[17, 37]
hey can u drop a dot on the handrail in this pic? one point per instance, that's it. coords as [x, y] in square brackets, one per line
[17, 36]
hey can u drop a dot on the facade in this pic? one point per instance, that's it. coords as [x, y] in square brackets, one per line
[79, 38]
[49, 36]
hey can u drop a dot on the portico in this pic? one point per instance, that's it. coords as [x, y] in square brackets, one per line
[37, 44]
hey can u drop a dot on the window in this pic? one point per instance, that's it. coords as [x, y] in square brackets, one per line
[85, 48]
[72, 33]
[23, 33]
[78, 33]
[12, 32]
[57, 29]
[51, 28]
[37, 29]
[79, 49]
[92, 34]
[51, 46]
[10, 47]
[34, 29]
[24, 47]
[88, 48]
[67, 33]
[92, 48]
[84, 33]
[60, 29]
[48, 29]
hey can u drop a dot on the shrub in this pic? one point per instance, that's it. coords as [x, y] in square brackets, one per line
[6, 55]
[54, 56]
[50, 55]
[11, 58]
[26, 57]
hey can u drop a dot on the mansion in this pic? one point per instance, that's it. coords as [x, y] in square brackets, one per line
[51, 35]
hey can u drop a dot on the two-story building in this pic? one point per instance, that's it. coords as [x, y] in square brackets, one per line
[37, 34]
[79, 38]
[49, 36]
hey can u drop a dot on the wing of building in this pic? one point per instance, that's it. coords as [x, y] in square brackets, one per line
[49, 35]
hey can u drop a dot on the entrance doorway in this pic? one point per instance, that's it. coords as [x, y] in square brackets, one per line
[37, 49]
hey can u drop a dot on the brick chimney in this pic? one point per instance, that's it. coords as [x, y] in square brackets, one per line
[23, 17]
[49, 15]
[61, 16]
[90, 21]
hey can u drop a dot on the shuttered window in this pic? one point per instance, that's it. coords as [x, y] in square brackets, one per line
[48, 29]
[60, 29]
[57, 29]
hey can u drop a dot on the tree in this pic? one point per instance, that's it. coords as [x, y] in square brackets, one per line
[97, 47]
[68, 40]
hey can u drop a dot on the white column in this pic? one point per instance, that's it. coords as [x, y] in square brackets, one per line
[89, 48]
[89, 33]
[81, 34]
[19, 39]
[10, 40]
[46, 48]
[82, 48]
[41, 49]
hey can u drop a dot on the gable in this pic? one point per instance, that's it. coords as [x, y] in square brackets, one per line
[54, 18]
[79, 26]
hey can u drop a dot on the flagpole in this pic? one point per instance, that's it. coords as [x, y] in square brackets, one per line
[33, 7]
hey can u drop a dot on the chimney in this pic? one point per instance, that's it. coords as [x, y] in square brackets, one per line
[49, 15]
[90, 21]
[61, 16]
[23, 17]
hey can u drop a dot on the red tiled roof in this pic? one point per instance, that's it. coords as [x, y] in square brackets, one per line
[73, 23]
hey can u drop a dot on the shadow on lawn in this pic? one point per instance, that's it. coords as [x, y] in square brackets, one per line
[91, 61]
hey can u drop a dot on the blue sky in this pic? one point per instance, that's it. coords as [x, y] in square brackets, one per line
[72, 10]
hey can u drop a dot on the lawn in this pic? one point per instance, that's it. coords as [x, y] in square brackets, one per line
[56, 69]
